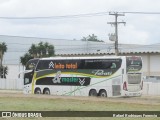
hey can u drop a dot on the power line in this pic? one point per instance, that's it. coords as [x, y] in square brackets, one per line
[60, 17]
[152, 13]
[78, 15]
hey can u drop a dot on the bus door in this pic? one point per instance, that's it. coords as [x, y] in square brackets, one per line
[28, 75]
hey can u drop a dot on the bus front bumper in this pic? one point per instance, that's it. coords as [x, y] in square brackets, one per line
[26, 90]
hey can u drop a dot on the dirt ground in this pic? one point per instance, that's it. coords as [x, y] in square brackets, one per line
[155, 100]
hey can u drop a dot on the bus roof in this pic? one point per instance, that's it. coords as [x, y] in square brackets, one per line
[94, 57]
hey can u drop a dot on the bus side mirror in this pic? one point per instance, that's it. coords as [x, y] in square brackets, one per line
[19, 74]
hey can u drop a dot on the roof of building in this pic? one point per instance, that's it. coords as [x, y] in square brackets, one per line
[18, 46]
[108, 49]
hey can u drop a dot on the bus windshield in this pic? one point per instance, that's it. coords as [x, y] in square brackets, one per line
[31, 64]
[133, 64]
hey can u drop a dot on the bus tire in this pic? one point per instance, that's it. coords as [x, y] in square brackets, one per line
[46, 91]
[102, 93]
[37, 91]
[92, 92]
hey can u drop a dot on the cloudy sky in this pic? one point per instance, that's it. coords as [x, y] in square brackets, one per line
[139, 29]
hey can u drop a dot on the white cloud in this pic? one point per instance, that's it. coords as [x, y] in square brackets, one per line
[131, 35]
[140, 29]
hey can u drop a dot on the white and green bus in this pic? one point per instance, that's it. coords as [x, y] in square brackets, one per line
[85, 76]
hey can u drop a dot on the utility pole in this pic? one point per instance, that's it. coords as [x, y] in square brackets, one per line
[114, 37]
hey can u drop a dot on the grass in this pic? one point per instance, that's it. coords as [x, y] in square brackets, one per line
[59, 104]
[37, 104]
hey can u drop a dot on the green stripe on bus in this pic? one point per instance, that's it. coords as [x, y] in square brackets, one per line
[70, 93]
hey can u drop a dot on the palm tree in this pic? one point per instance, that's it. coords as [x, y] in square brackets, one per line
[4, 71]
[24, 59]
[33, 50]
[3, 49]
[37, 51]
[41, 49]
[84, 39]
[50, 51]
[91, 38]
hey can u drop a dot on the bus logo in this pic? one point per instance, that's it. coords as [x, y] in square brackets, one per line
[102, 73]
[82, 81]
[51, 65]
[57, 78]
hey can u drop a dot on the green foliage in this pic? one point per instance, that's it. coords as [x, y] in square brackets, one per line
[91, 38]
[3, 47]
[20, 102]
[3, 71]
[38, 51]
[24, 59]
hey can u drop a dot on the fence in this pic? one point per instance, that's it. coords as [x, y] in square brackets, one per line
[15, 84]
[150, 88]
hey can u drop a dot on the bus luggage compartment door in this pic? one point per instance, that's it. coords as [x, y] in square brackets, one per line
[116, 90]
[116, 86]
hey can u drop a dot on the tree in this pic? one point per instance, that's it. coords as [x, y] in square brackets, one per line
[33, 51]
[3, 49]
[38, 51]
[4, 71]
[24, 59]
[91, 38]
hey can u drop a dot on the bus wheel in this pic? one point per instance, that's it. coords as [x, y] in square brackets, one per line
[37, 91]
[92, 92]
[102, 93]
[46, 91]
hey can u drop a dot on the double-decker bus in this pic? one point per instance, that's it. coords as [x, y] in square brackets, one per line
[85, 76]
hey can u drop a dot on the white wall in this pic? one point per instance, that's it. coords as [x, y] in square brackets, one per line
[145, 64]
[12, 81]
[155, 65]
[151, 64]
[13, 71]
[150, 88]
[14, 84]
